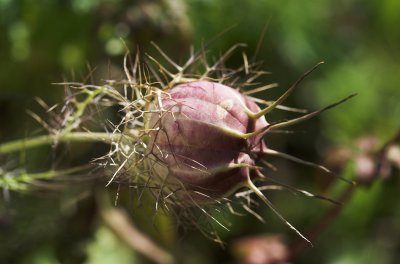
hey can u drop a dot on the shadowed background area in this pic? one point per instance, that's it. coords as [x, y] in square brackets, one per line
[44, 42]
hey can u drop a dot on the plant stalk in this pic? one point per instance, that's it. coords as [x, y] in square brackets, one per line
[28, 143]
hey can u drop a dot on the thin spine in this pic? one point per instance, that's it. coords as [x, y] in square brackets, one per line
[255, 189]
[285, 95]
[304, 162]
[294, 121]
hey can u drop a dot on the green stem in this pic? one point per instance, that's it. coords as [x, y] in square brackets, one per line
[27, 143]
[19, 181]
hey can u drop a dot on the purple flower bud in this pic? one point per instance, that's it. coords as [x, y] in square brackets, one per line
[198, 138]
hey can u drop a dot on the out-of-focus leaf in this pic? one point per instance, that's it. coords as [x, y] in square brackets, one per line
[107, 248]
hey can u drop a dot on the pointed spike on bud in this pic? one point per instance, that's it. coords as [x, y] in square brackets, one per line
[166, 57]
[310, 115]
[295, 120]
[257, 132]
[286, 94]
[261, 89]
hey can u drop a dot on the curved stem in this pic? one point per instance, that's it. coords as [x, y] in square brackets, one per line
[27, 143]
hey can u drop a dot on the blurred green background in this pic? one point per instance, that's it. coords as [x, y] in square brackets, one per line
[49, 41]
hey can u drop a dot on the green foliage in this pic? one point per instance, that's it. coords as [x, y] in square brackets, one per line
[375, 110]
[107, 248]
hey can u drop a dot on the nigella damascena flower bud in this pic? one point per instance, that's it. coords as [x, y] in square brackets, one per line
[198, 138]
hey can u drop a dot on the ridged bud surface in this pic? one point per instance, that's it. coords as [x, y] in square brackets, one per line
[198, 137]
